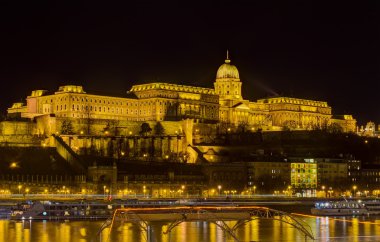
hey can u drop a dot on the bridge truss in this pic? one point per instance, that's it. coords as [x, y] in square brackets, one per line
[217, 215]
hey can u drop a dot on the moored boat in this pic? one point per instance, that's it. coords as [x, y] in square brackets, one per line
[46, 210]
[346, 208]
[80, 210]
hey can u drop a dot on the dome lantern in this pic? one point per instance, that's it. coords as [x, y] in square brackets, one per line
[227, 70]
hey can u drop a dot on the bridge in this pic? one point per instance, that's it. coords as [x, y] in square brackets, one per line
[214, 214]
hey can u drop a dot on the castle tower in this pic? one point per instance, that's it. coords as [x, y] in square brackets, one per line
[228, 84]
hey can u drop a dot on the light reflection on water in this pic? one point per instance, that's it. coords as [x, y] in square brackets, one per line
[324, 229]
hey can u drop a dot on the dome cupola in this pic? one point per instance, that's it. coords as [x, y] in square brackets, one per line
[227, 70]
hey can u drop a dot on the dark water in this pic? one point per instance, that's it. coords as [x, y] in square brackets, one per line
[323, 229]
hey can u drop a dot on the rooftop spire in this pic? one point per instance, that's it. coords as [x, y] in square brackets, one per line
[227, 59]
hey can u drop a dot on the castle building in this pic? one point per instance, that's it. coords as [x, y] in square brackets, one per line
[173, 102]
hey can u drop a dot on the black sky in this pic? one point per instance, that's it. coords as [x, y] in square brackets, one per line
[319, 50]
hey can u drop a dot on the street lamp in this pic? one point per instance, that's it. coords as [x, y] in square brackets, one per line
[19, 189]
[27, 191]
[183, 188]
[144, 190]
[104, 191]
[323, 189]
[219, 187]
[254, 190]
[354, 188]
[330, 191]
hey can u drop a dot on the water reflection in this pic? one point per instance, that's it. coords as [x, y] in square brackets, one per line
[324, 229]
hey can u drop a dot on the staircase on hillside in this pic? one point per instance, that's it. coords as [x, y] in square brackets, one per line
[68, 154]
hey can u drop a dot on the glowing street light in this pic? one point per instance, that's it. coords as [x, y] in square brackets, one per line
[254, 190]
[323, 189]
[354, 188]
[19, 189]
[219, 187]
[330, 191]
[27, 191]
[289, 190]
[182, 188]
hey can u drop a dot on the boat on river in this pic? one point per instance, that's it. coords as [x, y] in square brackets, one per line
[81, 210]
[347, 208]
[46, 210]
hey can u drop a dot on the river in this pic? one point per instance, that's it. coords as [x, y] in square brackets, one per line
[324, 229]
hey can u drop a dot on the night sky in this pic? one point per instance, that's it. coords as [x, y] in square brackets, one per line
[303, 49]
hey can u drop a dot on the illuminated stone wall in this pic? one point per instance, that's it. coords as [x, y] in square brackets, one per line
[130, 147]
[17, 128]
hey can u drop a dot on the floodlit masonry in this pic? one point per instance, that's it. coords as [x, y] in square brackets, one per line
[172, 102]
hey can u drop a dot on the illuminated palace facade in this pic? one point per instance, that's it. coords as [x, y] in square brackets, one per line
[171, 102]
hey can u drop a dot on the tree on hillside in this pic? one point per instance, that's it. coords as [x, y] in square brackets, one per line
[88, 120]
[184, 156]
[242, 127]
[145, 129]
[111, 127]
[223, 127]
[110, 148]
[158, 129]
[289, 125]
[335, 128]
[67, 127]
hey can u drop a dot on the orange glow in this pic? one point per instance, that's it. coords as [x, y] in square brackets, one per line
[336, 219]
[195, 208]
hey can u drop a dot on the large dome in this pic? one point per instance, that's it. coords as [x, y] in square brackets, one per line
[227, 70]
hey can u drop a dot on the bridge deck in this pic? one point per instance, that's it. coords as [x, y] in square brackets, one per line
[214, 214]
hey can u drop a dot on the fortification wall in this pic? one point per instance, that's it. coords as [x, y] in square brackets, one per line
[17, 128]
